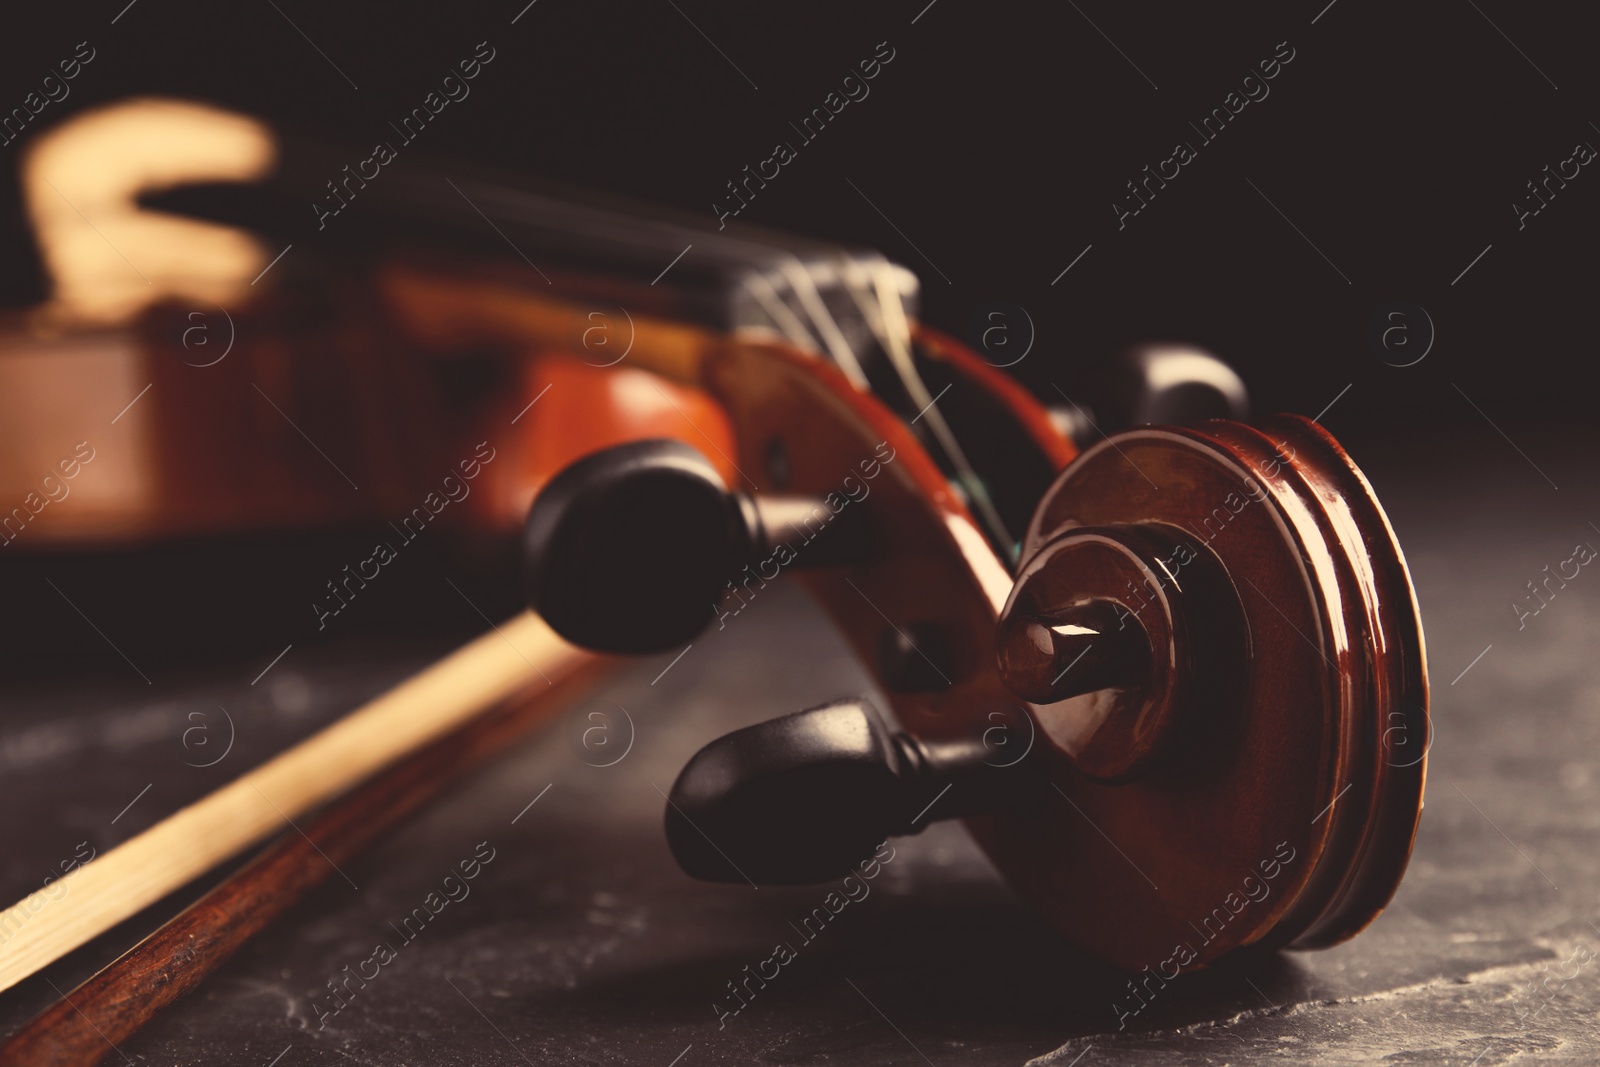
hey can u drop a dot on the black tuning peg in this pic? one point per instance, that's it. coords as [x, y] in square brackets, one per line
[1160, 383]
[804, 797]
[631, 548]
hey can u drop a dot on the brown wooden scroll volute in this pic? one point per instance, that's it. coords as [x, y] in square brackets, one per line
[1251, 770]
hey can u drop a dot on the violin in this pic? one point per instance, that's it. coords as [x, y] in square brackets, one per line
[1167, 667]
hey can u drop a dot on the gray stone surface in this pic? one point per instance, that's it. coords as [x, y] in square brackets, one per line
[581, 943]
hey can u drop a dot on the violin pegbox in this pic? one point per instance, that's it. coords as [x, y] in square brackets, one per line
[1202, 657]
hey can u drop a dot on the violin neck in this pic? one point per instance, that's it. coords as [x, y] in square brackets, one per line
[728, 277]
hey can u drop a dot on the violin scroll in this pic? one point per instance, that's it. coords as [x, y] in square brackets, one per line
[1209, 635]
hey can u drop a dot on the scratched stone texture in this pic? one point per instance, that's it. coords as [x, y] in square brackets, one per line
[581, 943]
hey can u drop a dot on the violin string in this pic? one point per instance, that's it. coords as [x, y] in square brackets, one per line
[805, 290]
[885, 313]
[823, 336]
[783, 318]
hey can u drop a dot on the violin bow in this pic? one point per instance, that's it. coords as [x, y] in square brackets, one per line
[88, 1023]
[115, 886]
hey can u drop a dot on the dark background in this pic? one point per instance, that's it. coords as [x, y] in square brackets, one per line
[996, 140]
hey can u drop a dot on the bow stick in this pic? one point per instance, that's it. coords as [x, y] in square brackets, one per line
[88, 1023]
